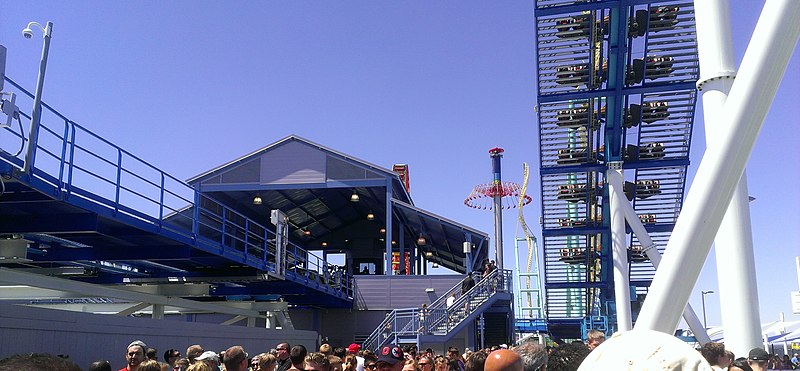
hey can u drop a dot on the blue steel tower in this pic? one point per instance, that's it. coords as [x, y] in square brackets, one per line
[616, 85]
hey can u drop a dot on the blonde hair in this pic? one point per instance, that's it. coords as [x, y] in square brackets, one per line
[199, 366]
[149, 365]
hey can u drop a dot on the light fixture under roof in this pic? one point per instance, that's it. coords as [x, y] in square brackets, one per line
[421, 240]
[307, 232]
[428, 254]
[257, 200]
[383, 230]
[354, 197]
[324, 244]
[370, 216]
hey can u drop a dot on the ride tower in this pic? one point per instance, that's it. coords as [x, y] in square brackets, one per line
[616, 90]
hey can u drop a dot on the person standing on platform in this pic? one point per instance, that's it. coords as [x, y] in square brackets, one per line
[134, 355]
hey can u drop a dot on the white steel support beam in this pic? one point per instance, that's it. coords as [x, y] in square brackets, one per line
[649, 248]
[619, 247]
[733, 244]
[773, 42]
[90, 290]
[133, 309]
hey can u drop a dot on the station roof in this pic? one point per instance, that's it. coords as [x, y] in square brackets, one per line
[315, 186]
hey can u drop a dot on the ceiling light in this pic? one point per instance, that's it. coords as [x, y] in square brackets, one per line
[257, 200]
[428, 254]
[421, 241]
[435, 265]
[324, 244]
[307, 232]
[394, 242]
[383, 230]
[370, 216]
[354, 197]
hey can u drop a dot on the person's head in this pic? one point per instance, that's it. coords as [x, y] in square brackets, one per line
[475, 361]
[594, 338]
[714, 353]
[181, 364]
[453, 353]
[298, 354]
[757, 359]
[353, 348]
[200, 366]
[425, 363]
[335, 362]
[326, 349]
[151, 353]
[316, 362]
[265, 362]
[172, 355]
[503, 360]
[410, 365]
[567, 357]
[391, 358]
[37, 362]
[740, 364]
[235, 359]
[640, 350]
[134, 354]
[193, 352]
[340, 352]
[440, 363]
[534, 356]
[209, 357]
[149, 365]
[101, 365]
[370, 363]
[282, 350]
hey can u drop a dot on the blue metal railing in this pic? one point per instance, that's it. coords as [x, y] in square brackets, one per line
[80, 167]
[439, 318]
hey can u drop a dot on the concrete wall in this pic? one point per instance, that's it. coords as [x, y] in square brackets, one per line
[88, 337]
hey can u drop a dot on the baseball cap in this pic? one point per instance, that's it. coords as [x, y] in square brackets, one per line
[353, 348]
[644, 350]
[758, 354]
[208, 355]
[391, 354]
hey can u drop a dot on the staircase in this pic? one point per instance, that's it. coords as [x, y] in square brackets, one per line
[440, 322]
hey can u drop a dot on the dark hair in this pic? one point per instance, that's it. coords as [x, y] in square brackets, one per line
[567, 357]
[151, 353]
[712, 351]
[741, 362]
[171, 353]
[453, 365]
[36, 362]
[340, 352]
[475, 361]
[101, 365]
[298, 355]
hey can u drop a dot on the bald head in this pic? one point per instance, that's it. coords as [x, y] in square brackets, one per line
[503, 360]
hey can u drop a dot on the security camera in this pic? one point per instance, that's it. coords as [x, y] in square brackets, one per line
[28, 33]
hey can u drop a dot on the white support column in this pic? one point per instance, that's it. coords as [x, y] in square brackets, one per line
[158, 311]
[654, 255]
[619, 247]
[734, 242]
[762, 69]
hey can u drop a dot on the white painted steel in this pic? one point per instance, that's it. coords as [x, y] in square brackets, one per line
[619, 247]
[760, 74]
[654, 255]
[734, 242]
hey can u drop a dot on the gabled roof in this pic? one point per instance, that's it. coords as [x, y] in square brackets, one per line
[399, 190]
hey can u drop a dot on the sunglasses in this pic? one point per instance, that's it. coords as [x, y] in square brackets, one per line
[372, 366]
[424, 363]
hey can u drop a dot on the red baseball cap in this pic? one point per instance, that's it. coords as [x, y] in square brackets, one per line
[353, 348]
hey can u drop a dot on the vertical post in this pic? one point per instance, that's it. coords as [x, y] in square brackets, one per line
[158, 311]
[36, 116]
[402, 247]
[622, 292]
[733, 244]
[467, 247]
[388, 223]
[764, 64]
[497, 195]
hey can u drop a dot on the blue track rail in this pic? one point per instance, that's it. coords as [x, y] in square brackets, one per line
[79, 169]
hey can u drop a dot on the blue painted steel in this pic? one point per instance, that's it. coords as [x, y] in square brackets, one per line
[189, 217]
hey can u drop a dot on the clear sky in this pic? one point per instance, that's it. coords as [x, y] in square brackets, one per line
[189, 85]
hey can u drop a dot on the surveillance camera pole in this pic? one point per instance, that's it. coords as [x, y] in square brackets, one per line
[36, 117]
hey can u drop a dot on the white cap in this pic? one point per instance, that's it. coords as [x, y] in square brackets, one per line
[644, 350]
[208, 355]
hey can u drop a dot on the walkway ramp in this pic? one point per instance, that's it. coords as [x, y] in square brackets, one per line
[89, 210]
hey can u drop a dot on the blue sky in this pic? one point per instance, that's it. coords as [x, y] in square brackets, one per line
[434, 84]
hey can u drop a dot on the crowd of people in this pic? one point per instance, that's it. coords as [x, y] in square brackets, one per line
[528, 356]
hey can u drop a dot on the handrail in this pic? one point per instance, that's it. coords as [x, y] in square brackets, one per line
[82, 165]
[438, 318]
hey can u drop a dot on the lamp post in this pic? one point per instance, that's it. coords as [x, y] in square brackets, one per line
[36, 117]
[703, 300]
